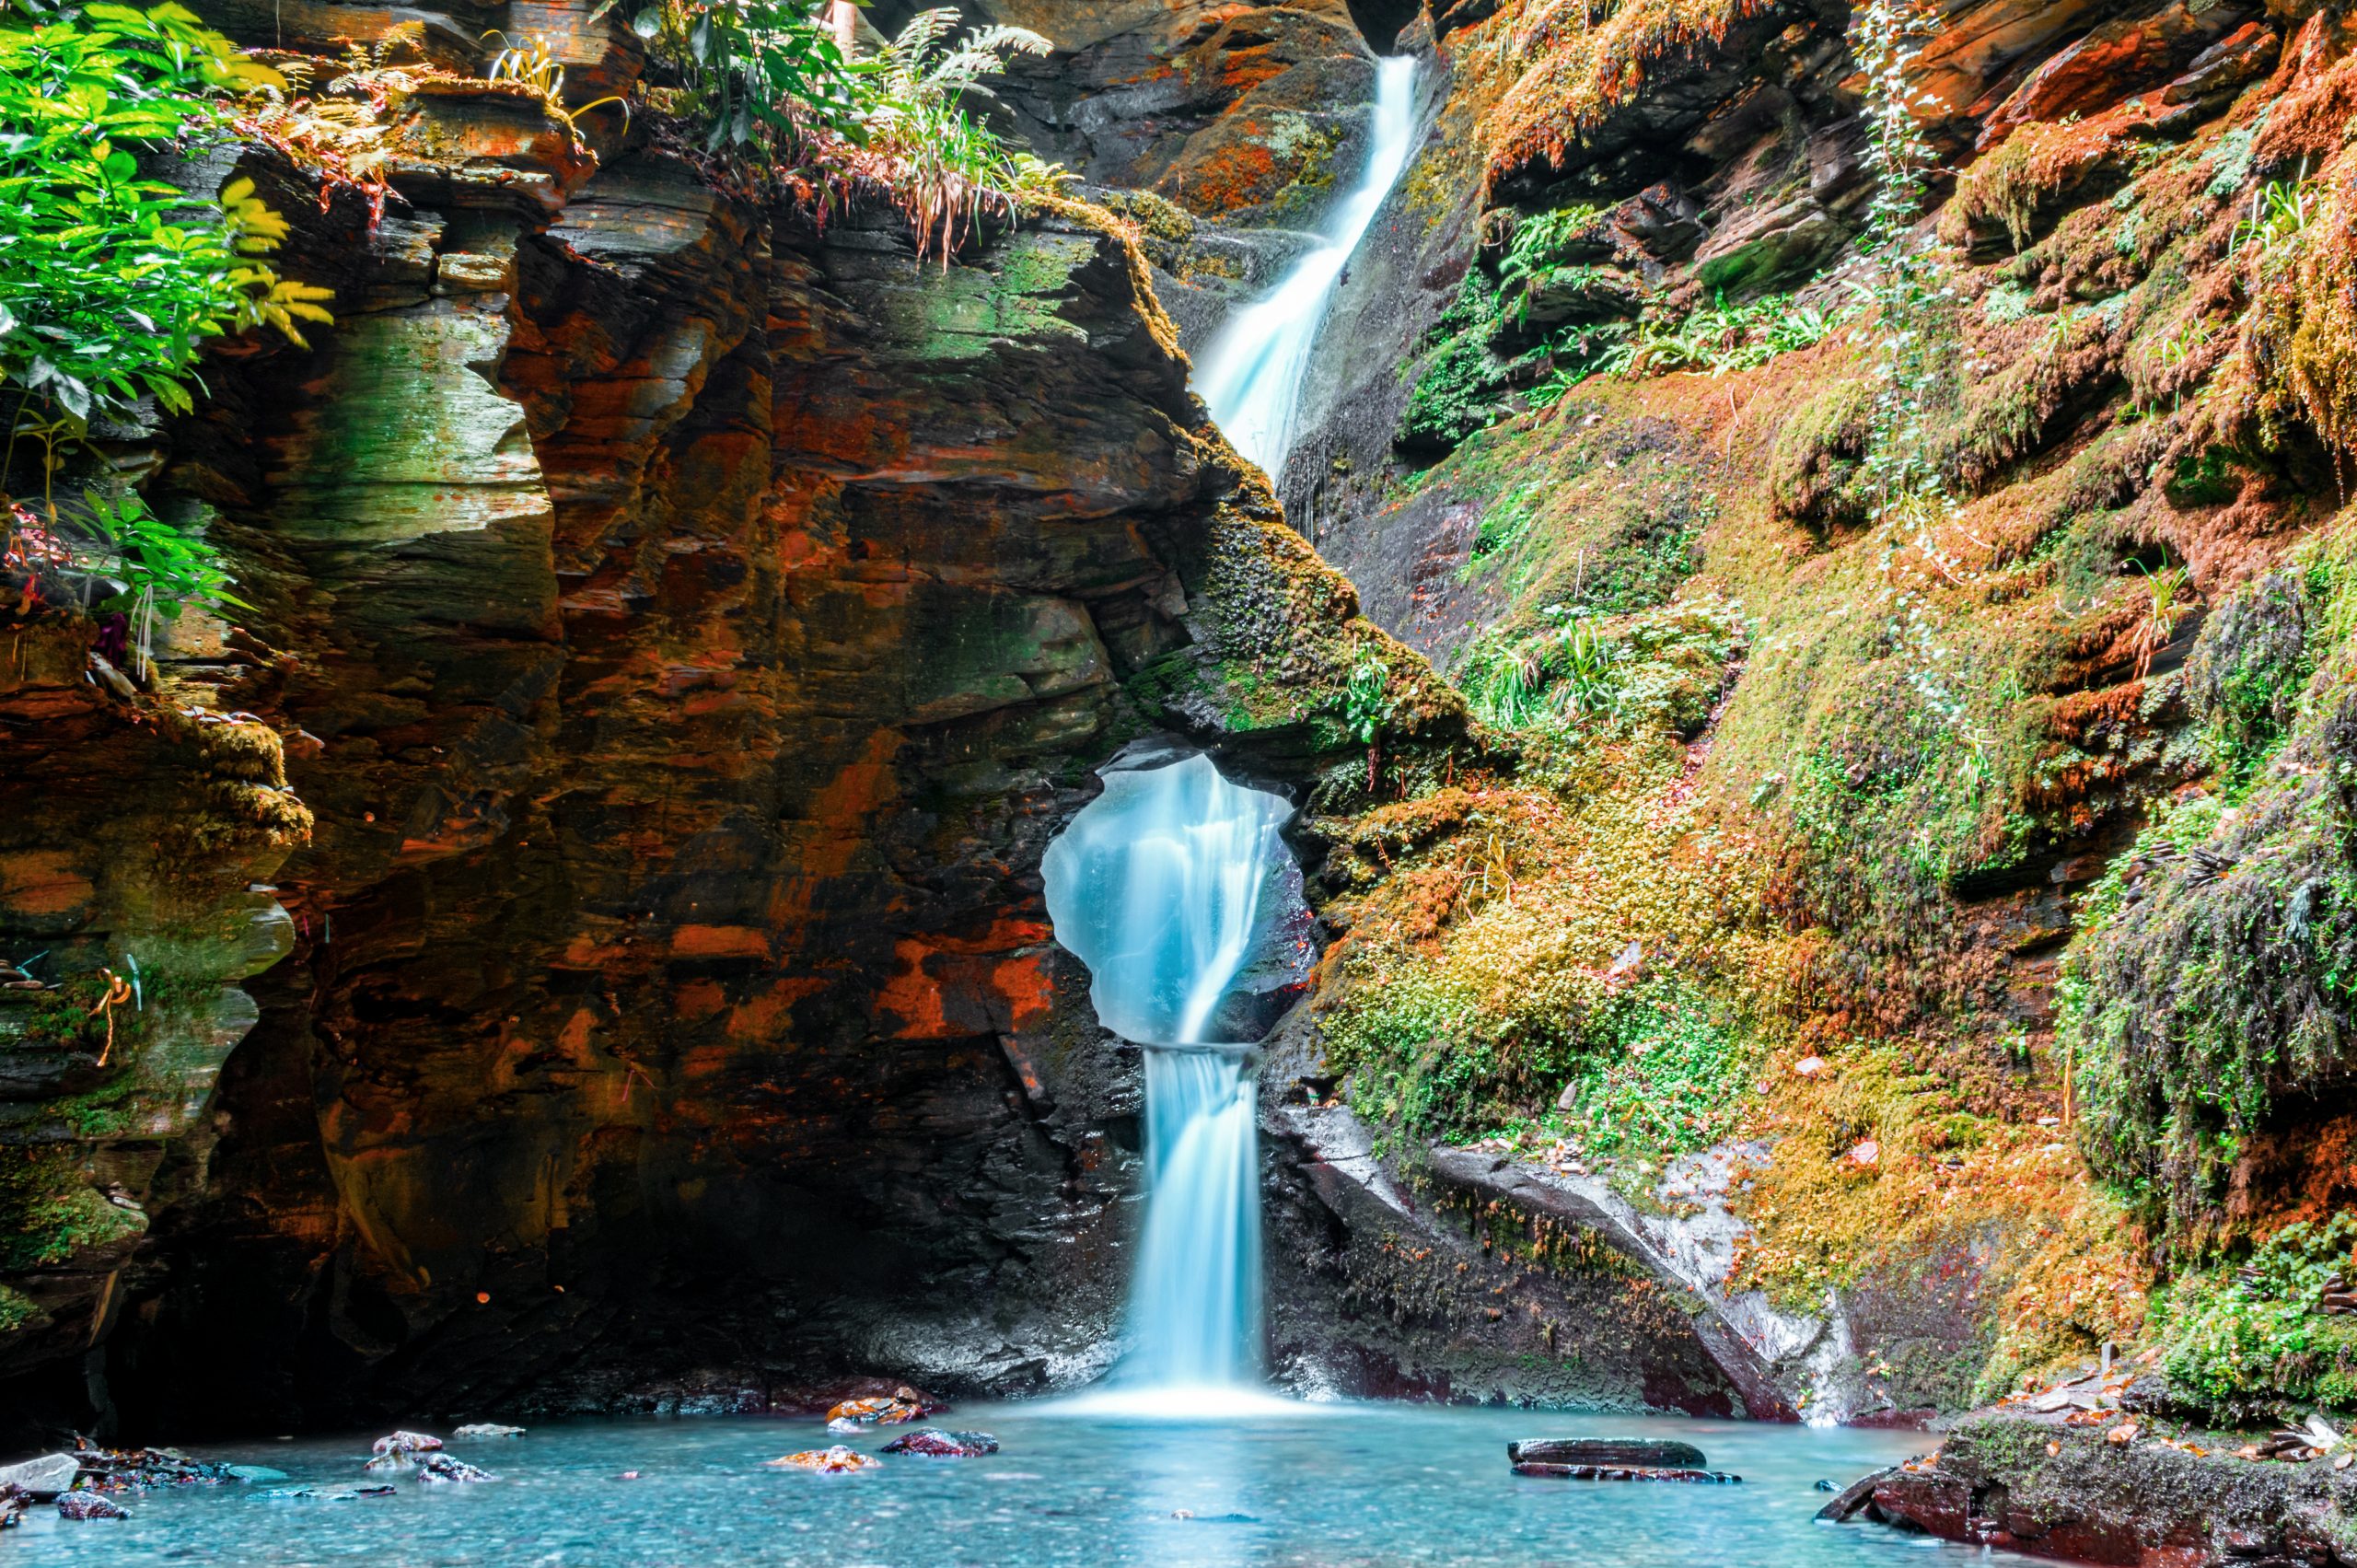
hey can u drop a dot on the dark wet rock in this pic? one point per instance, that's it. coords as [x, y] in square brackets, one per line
[89, 1505]
[13, 1503]
[935, 1442]
[2035, 1483]
[441, 1467]
[1851, 1498]
[135, 1469]
[1629, 1472]
[1635, 1451]
[43, 1477]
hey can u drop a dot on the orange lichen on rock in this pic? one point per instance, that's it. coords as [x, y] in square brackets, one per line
[1576, 69]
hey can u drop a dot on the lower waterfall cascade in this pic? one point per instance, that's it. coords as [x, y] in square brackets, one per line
[1167, 886]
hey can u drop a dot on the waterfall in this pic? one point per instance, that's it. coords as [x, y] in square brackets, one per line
[1164, 886]
[1252, 372]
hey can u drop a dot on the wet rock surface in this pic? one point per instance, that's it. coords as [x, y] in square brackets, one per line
[936, 1444]
[1606, 1451]
[687, 629]
[2037, 1484]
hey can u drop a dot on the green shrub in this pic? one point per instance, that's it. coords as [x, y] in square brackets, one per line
[111, 281]
[767, 81]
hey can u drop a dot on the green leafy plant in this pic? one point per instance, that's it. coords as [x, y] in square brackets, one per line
[756, 73]
[110, 280]
[2280, 212]
[156, 564]
[1368, 706]
[1539, 241]
[2165, 605]
[770, 82]
[1720, 338]
[2254, 1340]
[946, 165]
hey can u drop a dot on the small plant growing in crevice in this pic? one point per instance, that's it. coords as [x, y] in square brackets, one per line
[1368, 706]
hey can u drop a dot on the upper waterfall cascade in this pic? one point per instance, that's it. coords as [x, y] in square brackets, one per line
[1252, 372]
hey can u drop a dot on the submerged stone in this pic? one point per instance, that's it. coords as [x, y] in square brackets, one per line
[933, 1441]
[837, 1461]
[442, 1468]
[89, 1505]
[1627, 1472]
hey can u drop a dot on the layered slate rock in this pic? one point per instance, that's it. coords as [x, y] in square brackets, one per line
[689, 625]
[2022, 1484]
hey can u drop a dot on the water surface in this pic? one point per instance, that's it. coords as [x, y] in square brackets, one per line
[1329, 1485]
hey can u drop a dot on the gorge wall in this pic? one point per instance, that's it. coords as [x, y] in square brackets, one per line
[589, 935]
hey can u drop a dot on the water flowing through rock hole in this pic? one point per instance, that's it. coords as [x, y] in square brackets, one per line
[1176, 890]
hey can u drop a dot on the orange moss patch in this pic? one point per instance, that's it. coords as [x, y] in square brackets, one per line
[2063, 1265]
[1576, 70]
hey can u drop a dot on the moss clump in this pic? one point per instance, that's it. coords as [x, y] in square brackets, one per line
[50, 1213]
[1621, 676]
[1575, 68]
[1487, 963]
[2019, 186]
[16, 1310]
[1816, 468]
[2247, 1344]
[2216, 961]
[2255, 655]
[1463, 387]
[1884, 1168]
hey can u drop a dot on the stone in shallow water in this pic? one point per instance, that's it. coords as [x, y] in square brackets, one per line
[837, 1461]
[482, 1429]
[853, 1415]
[89, 1505]
[1627, 1472]
[406, 1443]
[943, 1444]
[443, 1467]
[1643, 1453]
[130, 1470]
[41, 1478]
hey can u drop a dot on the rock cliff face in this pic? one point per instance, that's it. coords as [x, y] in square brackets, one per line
[2130, 422]
[576, 941]
[686, 627]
